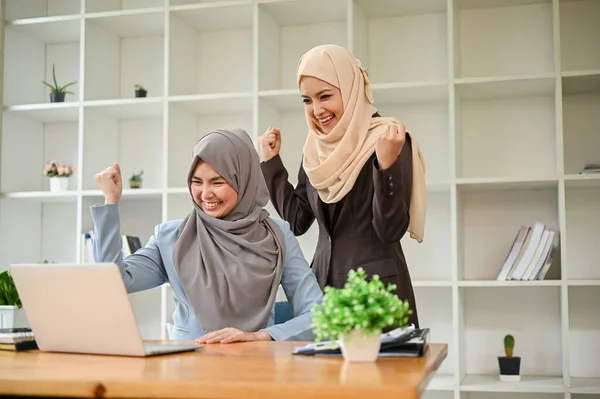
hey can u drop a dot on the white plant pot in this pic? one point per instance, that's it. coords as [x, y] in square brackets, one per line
[358, 347]
[7, 316]
[58, 184]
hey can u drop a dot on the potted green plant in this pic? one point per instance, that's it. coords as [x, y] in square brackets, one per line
[59, 174]
[140, 91]
[57, 93]
[135, 181]
[356, 314]
[10, 302]
[510, 366]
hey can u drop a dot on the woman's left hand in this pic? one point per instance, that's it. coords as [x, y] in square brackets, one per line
[230, 335]
[389, 145]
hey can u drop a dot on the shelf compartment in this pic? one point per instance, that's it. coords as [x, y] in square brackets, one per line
[509, 283]
[190, 120]
[117, 137]
[580, 82]
[479, 4]
[583, 181]
[512, 137]
[31, 49]
[410, 92]
[582, 236]
[579, 32]
[420, 31]
[288, 29]
[434, 308]
[36, 239]
[99, 6]
[42, 196]
[129, 194]
[528, 384]
[429, 122]
[42, 142]
[505, 87]
[122, 51]
[431, 259]
[179, 205]
[584, 338]
[539, 344]
[486, 236]
[53, 112]
[486, 48]
[292, 125]
[44, 9]
[198, 63]
[440, 387]
[500, 184]
[580, 104]
[134, 108]
[585, 387]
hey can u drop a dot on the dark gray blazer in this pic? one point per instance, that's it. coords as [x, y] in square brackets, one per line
[362, 230]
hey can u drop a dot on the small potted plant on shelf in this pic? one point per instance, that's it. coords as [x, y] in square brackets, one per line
[509, 365]
[140, 91]
[10, 302]
[57, 93]
[136, 180]
[357, 313]
[59, 174]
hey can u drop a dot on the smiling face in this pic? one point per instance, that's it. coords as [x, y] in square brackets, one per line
[211, 192]
[322, 103]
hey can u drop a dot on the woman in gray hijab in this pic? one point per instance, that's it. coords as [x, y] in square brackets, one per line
[226, 259]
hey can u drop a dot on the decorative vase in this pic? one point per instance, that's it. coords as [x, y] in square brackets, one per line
[509, 368]
[57, 97]
[135, 184]
[139, 93]
[58, 184]
[357, 346]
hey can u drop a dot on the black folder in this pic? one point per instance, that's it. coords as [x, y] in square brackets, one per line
[412, 344]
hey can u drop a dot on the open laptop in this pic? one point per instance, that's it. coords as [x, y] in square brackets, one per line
[83, 308]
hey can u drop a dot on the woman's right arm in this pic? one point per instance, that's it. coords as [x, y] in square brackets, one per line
[140, 271]
[290, 203]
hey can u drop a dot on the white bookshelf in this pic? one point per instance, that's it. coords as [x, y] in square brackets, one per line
[504, 96]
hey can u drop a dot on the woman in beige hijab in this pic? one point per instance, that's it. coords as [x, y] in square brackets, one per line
[226, 259]
[362, 176]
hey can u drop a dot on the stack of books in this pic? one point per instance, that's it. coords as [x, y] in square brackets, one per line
[534, 250]
[591, 168]
[17, 339]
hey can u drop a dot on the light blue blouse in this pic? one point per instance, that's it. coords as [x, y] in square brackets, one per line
[152, 266]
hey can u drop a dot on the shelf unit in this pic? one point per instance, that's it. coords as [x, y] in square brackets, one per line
[506, 119]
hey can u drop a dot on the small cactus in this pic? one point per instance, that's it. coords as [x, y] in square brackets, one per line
[509, 344]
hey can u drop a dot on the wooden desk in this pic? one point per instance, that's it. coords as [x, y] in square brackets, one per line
[243, 370]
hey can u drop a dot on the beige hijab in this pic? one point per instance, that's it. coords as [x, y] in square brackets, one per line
[333, 161]
[230, 268]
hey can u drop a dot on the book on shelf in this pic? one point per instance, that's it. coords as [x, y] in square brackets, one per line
[130, 245]
[533, 251]
[591, 168]
[87, 254]
[17, 339]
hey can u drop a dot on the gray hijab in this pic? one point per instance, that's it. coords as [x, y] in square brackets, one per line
[230, 268]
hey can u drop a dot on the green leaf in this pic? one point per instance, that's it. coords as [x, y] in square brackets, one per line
[8, 292]
[54, 76]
